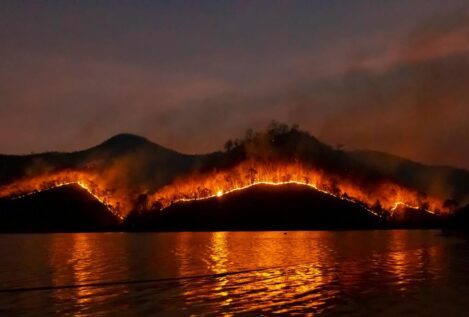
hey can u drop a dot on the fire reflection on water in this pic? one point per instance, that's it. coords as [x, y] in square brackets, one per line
[409, 265]
[302, 272]
[280, 281]
[226, 273]
[218, 265]
[72, 260]
[78, 260]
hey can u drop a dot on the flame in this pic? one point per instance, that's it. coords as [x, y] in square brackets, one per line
[247, 174]
[217, 183]
[90, 182]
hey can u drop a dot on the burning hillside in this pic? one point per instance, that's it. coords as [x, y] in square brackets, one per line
[384, 196]
[116, 202]
[64, 208]
[142, 176]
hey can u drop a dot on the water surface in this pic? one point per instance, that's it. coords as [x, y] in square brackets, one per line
[352, 273]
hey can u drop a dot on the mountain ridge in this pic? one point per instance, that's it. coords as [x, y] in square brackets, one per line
[134, 140]
[138, 170]
[140, 165]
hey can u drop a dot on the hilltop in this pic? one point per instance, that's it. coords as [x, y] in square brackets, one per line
[132, 173]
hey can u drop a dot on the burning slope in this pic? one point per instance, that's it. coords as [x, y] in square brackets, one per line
[130, 173]
[65, 208]
[115, 172]
[114, 200]
[382, 196]
[260, 207]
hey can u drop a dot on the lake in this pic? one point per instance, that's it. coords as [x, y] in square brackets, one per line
[331, 273]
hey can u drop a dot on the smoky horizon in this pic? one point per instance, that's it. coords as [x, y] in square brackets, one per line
[389, 76]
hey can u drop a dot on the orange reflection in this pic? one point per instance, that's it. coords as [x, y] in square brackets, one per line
[278, 278]
[74, 254]
[219, 260]
[76, 259]
[299, 272]
[247, 273]
[409, 264]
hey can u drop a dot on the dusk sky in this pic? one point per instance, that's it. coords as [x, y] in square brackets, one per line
[383, 75]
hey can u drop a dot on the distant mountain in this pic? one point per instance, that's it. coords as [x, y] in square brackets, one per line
[445, 181]
[140, 162]
[132, 160]
[132, 165]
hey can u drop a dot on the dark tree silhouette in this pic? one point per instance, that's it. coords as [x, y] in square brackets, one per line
[141, 203]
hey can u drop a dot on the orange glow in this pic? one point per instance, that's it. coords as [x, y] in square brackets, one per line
[114, 200]
[251, 173]
[119, 200]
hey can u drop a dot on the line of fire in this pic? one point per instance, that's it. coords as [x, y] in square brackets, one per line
[380, 198]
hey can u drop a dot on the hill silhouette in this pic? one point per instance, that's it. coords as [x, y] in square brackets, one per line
[459, 219]
[134, 165]
[260, 207]
[405, 217]
[139, 162]
[62, 209]
[70, 208]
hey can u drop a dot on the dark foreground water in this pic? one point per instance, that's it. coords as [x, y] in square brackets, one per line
[352, 273]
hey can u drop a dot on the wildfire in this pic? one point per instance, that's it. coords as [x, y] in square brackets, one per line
[403, 204]
[385, 196]
[88, 181]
